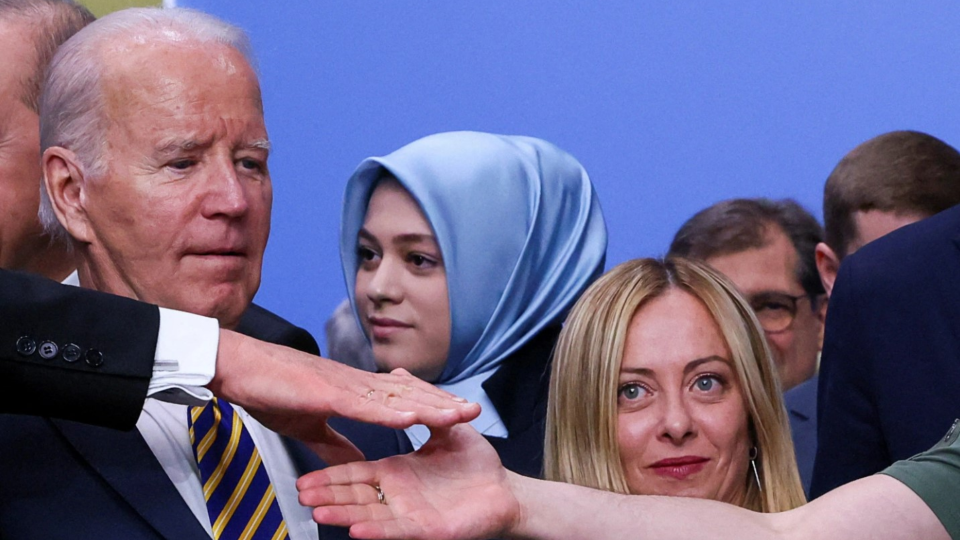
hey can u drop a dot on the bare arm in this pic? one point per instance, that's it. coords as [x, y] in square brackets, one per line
[294, 393]
[874, 508]
[455, 488]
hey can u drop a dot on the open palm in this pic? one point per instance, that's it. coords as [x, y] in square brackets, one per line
[452, 488]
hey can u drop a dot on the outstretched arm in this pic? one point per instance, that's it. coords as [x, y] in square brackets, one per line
[90, 357]
[455, 488]
[875, 508]
[294, 393]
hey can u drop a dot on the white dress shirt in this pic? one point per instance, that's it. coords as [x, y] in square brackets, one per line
[184, 362]
[164, 427]
[186, 355]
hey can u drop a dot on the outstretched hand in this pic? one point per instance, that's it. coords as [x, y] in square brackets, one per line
[454, 487]
[294, 393]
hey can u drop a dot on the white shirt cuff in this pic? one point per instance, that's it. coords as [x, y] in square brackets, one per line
[186, 358]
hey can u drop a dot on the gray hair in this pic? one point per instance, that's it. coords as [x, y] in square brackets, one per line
[737, 225]
[71, 105]
[51, 22]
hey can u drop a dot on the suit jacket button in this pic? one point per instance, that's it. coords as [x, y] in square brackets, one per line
[48, 350]
[71, 353]
[26, 346]
[94, 358]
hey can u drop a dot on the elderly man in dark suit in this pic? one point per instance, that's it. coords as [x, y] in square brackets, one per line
[155, 170]
[30, 32]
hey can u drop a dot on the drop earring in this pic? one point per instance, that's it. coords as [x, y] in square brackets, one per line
[754, 453]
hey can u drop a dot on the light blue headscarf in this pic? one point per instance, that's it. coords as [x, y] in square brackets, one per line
[520, 230]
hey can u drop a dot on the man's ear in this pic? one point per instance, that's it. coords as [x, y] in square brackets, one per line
[828, 264]
[64, 182]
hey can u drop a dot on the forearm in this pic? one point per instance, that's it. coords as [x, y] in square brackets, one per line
[272, 379]
[556, 511]
[249, 372]
[875, 508]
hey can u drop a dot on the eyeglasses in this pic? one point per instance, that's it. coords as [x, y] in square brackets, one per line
[775, 311]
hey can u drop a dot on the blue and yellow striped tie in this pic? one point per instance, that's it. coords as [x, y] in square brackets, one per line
[241, 502]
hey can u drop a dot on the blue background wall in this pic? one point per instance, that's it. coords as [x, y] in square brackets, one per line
[671, 106]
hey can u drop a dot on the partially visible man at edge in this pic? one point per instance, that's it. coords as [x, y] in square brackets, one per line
[885, 183]
[30, 32]
[155, 165]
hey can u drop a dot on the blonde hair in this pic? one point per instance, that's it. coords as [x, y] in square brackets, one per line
[581, 440]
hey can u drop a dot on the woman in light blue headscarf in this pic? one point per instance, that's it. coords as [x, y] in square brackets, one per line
[462, 253]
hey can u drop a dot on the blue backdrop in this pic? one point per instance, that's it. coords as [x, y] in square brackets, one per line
[671, 106]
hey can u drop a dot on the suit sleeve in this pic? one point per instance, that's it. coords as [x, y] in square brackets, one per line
[850, 443]
[73, 353]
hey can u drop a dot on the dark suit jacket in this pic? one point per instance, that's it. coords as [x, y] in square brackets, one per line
[61, 479]
[801, 404]
[518, 390]
[891, 355]
[120, 332]
[123, 331]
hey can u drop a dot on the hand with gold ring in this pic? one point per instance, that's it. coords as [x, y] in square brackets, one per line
[453, 487]
[293, 393]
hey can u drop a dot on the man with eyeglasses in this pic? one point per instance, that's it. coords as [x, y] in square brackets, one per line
[767, 249]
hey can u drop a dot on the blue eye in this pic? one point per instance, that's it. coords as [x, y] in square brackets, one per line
[631, 391]
[707, 383]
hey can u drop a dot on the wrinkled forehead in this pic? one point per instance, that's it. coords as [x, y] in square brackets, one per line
[19, 56]
[174, 73]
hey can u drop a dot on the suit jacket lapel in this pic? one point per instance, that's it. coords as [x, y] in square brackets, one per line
[128, 466]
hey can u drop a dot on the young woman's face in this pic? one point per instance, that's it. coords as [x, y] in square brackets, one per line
[682, 425]
[401, 286]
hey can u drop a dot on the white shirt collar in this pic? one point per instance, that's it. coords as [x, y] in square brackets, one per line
[72, 279]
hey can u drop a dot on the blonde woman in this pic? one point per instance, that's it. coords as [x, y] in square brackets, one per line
[662, 384]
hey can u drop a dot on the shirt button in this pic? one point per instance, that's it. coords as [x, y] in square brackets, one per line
[26, 346]
[48, 350]
[71, 353]
[94, 358]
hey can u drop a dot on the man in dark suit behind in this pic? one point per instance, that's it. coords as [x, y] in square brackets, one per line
[893, 327]
[887, 182]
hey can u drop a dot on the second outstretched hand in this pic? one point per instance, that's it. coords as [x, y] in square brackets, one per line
[294, 393]
[454, 487]
[476, 500]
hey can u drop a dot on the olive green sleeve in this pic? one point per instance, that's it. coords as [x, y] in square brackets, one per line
[934, 475]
